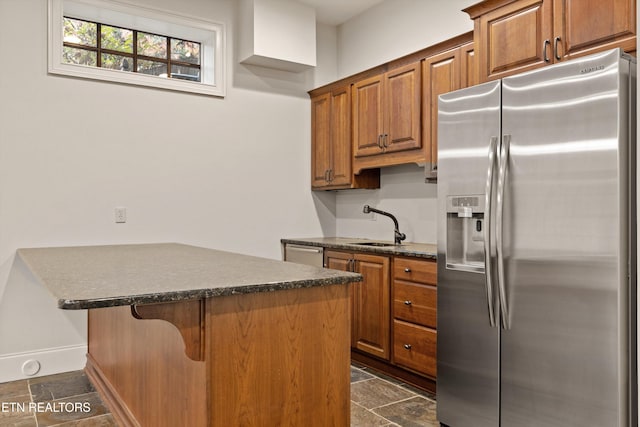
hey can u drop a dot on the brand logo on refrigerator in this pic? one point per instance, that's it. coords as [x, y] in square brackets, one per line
[592, 69]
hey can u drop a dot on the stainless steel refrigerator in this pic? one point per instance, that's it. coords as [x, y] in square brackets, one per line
[537, 248]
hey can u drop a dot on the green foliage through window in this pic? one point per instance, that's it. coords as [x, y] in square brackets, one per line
[100, 45]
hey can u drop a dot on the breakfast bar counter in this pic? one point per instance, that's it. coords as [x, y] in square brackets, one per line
[183, 335]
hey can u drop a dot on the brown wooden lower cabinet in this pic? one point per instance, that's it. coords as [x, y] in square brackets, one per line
[370, 304]
[394, 315]
[268, 358]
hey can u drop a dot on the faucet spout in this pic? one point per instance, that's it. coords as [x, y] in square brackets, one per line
[397, 235]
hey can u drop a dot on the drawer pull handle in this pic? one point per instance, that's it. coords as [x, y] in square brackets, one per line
[407, 270]
[407, 346]
[407, 302]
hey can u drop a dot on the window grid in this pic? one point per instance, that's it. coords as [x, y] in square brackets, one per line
[134, 55]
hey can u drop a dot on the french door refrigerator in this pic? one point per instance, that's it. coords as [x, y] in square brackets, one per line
[536, 248]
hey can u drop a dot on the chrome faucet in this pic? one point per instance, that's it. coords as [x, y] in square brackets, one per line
[398, 236]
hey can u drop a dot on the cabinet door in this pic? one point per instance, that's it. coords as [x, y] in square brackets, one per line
[514, 38]
[344, 261]
[320, 139]
[441, 75]
[402, 108]
[341, 137]
[588, 26]
[367, 116]
[468, 66]
[371, 328]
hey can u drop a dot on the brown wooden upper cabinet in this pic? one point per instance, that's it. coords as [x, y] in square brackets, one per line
[384, 116]
[515, 36]
[386, 112]
[331, 144]
[442, 73]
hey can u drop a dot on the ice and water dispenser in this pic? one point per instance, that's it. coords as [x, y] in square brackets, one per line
[465, 233]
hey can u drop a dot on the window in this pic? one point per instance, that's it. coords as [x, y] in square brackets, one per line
[100, 40]
[98, 45]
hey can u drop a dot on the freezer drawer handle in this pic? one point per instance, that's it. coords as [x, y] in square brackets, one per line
[502, 176]
[488, 269]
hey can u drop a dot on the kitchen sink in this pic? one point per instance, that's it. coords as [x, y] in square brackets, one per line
[377, 244]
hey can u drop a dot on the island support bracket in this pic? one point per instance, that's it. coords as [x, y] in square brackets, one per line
[187, 316]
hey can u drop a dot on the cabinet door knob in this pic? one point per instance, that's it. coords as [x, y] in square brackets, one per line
[407, 270]
[407, 302]
[407, 346]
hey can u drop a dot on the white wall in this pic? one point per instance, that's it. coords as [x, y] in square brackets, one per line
[395, 28]
[229, 173]
[390, 30]
[402, 192]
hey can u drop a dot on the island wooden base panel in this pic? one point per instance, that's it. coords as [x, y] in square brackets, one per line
[272, 358]
[144, 366]
[110, 397]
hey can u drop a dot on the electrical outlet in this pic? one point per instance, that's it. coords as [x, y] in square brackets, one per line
[121, 215]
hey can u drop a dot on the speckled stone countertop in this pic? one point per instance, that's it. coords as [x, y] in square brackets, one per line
[417, 250]
[105, 276]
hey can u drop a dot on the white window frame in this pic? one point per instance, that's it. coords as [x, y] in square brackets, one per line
[211, 36]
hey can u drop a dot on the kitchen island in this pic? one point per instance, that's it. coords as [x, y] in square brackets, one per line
[182, 335]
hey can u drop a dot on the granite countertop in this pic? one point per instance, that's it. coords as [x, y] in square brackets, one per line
[105, 276]
[417, 250]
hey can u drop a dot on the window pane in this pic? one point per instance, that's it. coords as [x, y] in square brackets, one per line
[80, 32]
[117, 62]
[152, 67]
[71, 55]
[115, 38]
[182, 50]
[185, 73]
[152, 45]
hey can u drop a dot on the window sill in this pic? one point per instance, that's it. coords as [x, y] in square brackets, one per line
[129, 78]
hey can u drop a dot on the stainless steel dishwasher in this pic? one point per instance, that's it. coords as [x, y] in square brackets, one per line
[310, 255]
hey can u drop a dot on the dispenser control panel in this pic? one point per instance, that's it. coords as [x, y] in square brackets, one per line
[465, 233]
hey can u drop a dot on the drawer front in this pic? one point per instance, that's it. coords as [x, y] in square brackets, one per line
[415, 303]
[415, 347]
[415, 270]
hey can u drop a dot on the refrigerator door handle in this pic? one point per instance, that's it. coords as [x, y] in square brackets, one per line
[488, 267]
[502, 176]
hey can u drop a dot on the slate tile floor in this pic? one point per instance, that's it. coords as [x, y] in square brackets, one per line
[376, 400]
[63, 400]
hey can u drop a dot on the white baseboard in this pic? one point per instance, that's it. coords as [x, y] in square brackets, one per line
[51, 361]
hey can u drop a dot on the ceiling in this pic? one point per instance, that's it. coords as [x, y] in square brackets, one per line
[335, 12]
